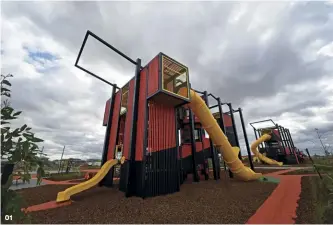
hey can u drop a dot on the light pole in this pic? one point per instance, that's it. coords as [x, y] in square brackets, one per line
[63, 150]
[319, 137]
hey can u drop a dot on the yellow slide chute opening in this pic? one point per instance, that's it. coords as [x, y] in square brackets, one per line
[263, 158]
[200, 109]
[66, 194]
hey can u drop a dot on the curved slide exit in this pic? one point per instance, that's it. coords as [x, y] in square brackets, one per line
[66, 194]
[263, 158]
[200, 109]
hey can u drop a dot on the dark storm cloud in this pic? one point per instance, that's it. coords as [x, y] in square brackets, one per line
[233, 60]
[295, 102]
[183, 36]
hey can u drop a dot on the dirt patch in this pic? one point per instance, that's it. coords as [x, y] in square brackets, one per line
[223, 201]
[301, 172]
[306, 206]
[40, 194]
[265, 171]
[312, 205]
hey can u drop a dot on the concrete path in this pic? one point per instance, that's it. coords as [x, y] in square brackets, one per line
[21, 185]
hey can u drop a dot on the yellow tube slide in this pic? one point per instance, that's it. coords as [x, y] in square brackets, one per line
[200, 109]
[263, 158]
[66, 194]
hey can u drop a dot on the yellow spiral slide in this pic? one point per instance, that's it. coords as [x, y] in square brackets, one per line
[263, 158]
[200, 109]
[66, 194]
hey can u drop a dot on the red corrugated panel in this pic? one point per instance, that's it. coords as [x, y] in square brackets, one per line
[114, 126]
[227, 120]
[128, 123]
[153, 77]
[287, 151]
[198, 146]
[167, 128]
[141, 116]
[162, 127]
[205, 143]
[172, 129]
[186, 150]
[150, 143]
[161, 137]
[106, 112]
[276, 132]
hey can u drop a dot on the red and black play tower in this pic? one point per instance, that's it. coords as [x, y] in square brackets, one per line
[148, 123]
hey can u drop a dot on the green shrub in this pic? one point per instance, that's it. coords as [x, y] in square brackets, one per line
[18, 147]
[65, 176]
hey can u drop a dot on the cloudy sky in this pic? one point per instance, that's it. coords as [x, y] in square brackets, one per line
[274, 60]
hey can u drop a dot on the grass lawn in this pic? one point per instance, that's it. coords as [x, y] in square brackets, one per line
[314, 206]
[316, 202]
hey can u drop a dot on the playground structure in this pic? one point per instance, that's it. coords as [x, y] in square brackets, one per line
[275, 142]
[156, 127]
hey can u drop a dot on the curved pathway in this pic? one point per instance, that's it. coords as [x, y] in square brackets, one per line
[280, 207]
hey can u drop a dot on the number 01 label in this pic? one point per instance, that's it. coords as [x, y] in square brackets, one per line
[8, 217]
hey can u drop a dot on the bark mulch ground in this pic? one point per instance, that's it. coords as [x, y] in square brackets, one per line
[41, 194]
[311, 205]
[223, 201]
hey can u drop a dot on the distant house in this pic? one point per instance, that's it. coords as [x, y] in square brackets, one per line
[93, 162]
[56, 161]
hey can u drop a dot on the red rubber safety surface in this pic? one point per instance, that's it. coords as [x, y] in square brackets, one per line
[46, 205]
[280, 207]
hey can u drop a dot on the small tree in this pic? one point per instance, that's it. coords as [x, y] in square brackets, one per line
[18, 147]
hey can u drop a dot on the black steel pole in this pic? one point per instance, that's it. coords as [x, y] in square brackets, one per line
[256, 136]
[286, 144]
[255, 133]
[212, 107]
[222, 126]
[235, 130]
[245, 137]
[291, 149]
[193, 147]
[108, 127]
[281, 137]
[178, 168]
[212, 149]
[291, 140]
[287, 138]
[221, 121]
[131, 178]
